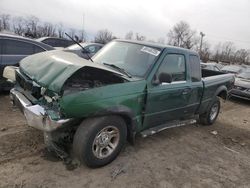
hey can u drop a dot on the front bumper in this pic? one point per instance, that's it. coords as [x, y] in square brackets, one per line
[35, 114]
[240, 94]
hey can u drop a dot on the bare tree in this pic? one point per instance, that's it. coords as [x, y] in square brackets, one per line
[140, 37]
[60, 30]
[104, 36]
[182, 35]
[227, 52]
[129, 35]
[205, 52]
[241, 56]
[47, 29]
[4, 22]
[19, 25]
[31, 26]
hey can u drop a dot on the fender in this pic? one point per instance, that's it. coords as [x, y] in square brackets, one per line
[127, 114]
[221, 92]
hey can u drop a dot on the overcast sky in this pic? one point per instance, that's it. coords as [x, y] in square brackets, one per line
[220, 20]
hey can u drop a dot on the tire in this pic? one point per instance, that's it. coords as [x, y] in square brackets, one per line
[212, 113]
[98, 141]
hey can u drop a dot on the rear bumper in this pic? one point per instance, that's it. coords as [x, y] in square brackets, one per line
[35, 114]
[240, 94]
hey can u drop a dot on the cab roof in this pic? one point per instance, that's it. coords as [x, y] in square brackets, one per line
[157, 45]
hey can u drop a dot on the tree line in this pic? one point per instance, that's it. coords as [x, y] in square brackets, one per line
[181, 35]
[33, 27]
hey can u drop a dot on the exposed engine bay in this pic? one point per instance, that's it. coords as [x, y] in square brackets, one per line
[88, 77]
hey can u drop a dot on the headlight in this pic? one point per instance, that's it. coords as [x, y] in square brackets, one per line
[9, 72]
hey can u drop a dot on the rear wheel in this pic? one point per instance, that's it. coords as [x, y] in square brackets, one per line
[98, 141]
[211, 115]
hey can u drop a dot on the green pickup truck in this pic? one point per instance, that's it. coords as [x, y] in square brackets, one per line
[131, 88]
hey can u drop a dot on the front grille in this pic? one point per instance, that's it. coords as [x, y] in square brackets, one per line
[27, 84]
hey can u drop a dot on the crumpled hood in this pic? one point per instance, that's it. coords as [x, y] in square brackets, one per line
[51, 69]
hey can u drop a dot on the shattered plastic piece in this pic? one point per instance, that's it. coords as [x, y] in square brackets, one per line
[242, 144]
[214, 132]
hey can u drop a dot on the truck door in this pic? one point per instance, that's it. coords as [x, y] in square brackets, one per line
[168, 101]
[196, 84]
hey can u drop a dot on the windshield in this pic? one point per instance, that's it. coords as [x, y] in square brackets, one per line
[135, 59]
[245, 75]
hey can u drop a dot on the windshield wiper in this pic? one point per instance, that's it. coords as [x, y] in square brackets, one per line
[119, 69]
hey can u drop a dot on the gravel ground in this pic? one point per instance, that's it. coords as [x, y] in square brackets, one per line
[190, 156]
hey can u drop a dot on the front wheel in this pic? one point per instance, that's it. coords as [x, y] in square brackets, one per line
[98, 141]
[211, 115]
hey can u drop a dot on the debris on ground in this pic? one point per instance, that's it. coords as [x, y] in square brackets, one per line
[243, 144]
[214, 132]
[71, 164]
[3, 129]
[119, 170]
[229, 149]
[234, 140]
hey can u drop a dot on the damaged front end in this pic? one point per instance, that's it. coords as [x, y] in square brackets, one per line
[44, 79]
[36, 115]
[41, 84]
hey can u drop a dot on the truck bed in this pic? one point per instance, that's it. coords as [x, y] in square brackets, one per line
[213, 81]
[207, 73]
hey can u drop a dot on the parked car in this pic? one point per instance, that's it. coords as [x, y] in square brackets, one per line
[234, 69]
[91, 49]
[56, 42]
[14, 48]
[211, 66]
[132, 88]
[242, 86]
[246, 67]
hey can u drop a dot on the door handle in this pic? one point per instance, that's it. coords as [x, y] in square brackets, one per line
[186, 91]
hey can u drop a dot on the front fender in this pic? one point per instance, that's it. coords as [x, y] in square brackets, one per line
[127, 114]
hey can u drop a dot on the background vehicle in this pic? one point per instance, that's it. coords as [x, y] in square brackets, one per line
[131, 88]
[55, 42]
[211, 66]
[92, 48]
[234, 69]
[242, 86]
[13, 49]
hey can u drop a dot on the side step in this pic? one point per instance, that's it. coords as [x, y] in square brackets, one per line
[169, 125]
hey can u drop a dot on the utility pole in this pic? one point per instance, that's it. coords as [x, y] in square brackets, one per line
[202, 35]
[83, 28]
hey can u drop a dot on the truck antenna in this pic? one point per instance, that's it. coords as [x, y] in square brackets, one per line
[87, 52]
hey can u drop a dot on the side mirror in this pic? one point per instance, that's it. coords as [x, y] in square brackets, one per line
[165, 78]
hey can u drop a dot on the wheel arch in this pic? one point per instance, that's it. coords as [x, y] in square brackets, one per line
[222, 92]
[126, 113]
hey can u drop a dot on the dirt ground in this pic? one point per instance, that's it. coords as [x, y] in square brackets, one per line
[189, 156]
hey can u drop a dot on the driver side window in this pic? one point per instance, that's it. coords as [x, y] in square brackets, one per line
[175, 66]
